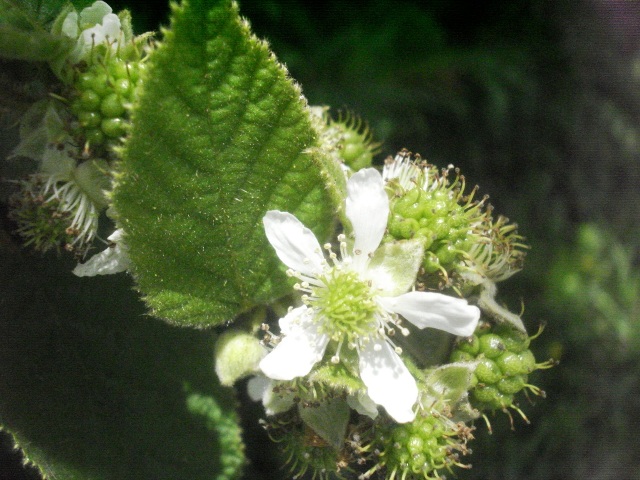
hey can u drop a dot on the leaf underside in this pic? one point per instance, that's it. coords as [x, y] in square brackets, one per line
[220, 136]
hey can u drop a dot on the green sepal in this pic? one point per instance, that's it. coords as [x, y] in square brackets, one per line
[338, 377]
[237, 354]
[399, 261]
[487, 303]
[220, 135]
[329, 420]
[450, 384]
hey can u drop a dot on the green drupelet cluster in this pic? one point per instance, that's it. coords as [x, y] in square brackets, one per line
[504, 365]
[435, 209]
[103, 90]
[423, 448]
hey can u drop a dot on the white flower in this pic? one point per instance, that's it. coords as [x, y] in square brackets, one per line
[356, 299]
[96, 25]
[79, 190]
[113, 259]
[408, 173]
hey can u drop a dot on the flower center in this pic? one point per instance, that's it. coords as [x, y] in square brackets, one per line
[346, 302]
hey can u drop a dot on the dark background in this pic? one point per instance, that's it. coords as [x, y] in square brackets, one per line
[537, 102]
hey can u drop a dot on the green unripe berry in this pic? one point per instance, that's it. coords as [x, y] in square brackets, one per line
[431, 262]
[422, 447]
[111, 107]
[85, 81]
[410, 205]
[491, 345]
[447, 254]
[89, 100]
[487, 371]
[460, 356]
[123, 87]
[89, 120]
[118, 68]
[516, 363]
[415, 444]
[135, 71]
[513, 340]
[101, 84]
[504, 362]
[356, 154]
[94, 136]
[512, 385]
[491, 397]
[404, 228]
[113, 127]
[470, 345]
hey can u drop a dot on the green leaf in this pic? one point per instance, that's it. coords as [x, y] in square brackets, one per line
[24, 34]
[91, 389]
[220, 135]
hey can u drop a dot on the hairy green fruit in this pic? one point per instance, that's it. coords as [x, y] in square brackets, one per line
[420, 449]
[504, 363]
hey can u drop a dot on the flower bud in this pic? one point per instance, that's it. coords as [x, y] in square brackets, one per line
[237, 354]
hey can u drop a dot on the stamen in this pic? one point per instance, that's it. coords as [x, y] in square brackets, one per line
[343, 250]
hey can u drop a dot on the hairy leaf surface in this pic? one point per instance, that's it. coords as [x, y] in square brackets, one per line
[220, 135]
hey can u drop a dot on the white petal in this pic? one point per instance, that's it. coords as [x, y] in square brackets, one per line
[70, 25]
[367, 208]
[290, 323]
[430, 309]
[113, 259]
[111, 27]
[261, 388]
[388, 381]
[92, 36]
[295, 245]
[402, 170]
[117, 236]
[94, 14]
[299, 349]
